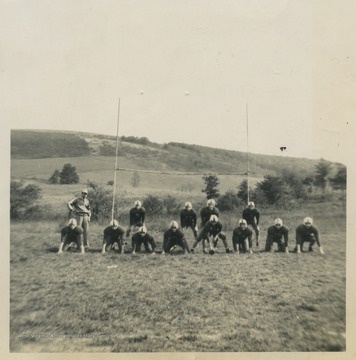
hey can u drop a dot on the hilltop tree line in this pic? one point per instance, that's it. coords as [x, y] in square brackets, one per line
[279, 191]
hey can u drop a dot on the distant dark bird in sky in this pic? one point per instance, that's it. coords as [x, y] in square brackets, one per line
[283, 148]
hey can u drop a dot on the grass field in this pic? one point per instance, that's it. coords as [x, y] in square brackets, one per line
[100, 169]
[179, 303]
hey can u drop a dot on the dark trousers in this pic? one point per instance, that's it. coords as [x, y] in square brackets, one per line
[310, 239]
[78, 240]
[168, 244]
[255, 228]
[110, 242]
[149, 245]
[195, 232]
[241, 244]
[280, 243]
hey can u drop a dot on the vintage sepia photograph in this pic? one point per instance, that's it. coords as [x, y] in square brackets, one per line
[179, 178]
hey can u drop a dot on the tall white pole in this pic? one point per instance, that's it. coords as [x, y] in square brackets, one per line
[248, 158]
[117, 146]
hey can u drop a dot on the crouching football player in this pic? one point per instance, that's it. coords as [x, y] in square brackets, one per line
[71, 233]
[173, 237]
[307, 232]
[277, 233]
[114, 233]
[143, 237]
[242, 238]
[212, 229]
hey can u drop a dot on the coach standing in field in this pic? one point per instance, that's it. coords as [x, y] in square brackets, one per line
[307, 232]
[188, 219]
[114, 233]
[172, 237]
[252, 217]
[242, 238]
[71, 233]
[277, 233]
[81, 208]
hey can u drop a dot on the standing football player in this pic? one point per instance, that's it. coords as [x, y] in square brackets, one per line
[252, 217]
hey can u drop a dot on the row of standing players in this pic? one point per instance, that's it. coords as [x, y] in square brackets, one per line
[210, 233]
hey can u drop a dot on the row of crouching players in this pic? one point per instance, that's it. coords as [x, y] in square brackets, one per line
[211, 233]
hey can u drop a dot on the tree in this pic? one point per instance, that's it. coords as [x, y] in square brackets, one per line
[295, 184]
[68, 175]
[211, 186]
[322, 171]
[22, 198]
[308, 182]
[242, 191]
[135, 179]
[54, 179]
[273, 188]
[100, 200]
[338, 182]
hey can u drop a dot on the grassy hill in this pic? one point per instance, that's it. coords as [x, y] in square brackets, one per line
[140, 153]
[36, 154]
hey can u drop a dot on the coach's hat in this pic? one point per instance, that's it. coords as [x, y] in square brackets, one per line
[84, 191]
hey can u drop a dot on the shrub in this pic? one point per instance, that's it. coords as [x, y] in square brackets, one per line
[171, 204]
[40, 212]
[22, 198]
[229, 201]
[153, 204]
[295, 183]
[54, 179]
[338, 182]
[100, 200]
[273, 188]
[107, 150]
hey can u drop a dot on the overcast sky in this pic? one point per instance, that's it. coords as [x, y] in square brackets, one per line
[184, 71]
